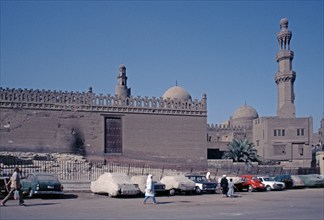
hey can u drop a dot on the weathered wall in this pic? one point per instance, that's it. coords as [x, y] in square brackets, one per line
[165, 138]
[153, 129]
[50, 131]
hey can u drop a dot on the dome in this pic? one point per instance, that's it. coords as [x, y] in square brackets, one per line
[177, 92]
[245, 111]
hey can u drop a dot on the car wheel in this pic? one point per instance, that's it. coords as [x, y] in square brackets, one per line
[250, 188]
[268, 188]
[197, 190]
[172, 192]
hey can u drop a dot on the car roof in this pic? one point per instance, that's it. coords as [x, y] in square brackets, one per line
[194, 174]
[40, 174]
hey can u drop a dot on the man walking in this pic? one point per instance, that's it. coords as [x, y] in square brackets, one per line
[15, 185]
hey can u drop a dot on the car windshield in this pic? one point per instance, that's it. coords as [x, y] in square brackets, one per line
[46, 177]
[198, 179]
[255, 178]
[268, 179]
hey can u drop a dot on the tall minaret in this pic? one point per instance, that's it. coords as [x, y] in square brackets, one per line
[121, 89]
[285, 77]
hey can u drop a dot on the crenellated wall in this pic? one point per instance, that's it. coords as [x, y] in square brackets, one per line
[153, 129]
[88, 101]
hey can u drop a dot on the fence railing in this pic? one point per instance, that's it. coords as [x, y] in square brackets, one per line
[71, 170]
[88, 171]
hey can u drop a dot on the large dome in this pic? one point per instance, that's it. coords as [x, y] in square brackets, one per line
[246, 112]
[177, 92]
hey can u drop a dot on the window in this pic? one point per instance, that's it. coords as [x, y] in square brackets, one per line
[214, 154]
[279, 132]
[300, 132]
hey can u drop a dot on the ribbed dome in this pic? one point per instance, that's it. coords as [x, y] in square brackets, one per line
[177, 92]
[245, 111]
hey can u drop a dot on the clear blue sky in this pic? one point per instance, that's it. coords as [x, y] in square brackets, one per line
[225, 49]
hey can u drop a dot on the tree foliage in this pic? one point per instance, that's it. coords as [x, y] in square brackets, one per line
[241, 151]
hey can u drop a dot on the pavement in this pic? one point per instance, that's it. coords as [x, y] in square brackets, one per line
[301, 204]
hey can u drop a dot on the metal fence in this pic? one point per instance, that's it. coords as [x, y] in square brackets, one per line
[70, 170]
[79, 170]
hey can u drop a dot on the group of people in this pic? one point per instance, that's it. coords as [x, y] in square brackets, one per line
[15, 186]
[227, 186]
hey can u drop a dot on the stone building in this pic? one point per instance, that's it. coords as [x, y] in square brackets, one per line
[170, 129]
[284, 138]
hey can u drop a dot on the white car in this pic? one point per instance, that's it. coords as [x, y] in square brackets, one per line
[271, 184]
[114, 184]
[178, 184]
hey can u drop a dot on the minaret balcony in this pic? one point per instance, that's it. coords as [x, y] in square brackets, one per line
[284, 54]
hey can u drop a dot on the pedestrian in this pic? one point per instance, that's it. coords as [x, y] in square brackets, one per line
[231, 187]
[15, 185]
[224, 185]
[149, 190]
[208, 176]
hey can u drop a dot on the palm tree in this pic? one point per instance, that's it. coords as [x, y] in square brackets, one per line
[242, 151]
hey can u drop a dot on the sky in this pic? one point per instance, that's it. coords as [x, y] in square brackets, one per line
[225, 49]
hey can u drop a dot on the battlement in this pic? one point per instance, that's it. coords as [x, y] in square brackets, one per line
[215, 127]
[89, 101]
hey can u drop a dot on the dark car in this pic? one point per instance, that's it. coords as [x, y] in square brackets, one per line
[41, 184]
[159, 188]
[202, 184]
[4, 190]
[286, 178]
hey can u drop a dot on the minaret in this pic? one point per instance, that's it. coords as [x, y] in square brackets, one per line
[285, 77]
[121, 89]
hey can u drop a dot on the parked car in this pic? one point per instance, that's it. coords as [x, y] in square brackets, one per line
[159, 188]
[178, 184]
[202, 184]
[3, 190]
[286, 178]
[312, 180]
[114, 184]
[41, 184]
[271, 184]
[297, 181]
[251, 183]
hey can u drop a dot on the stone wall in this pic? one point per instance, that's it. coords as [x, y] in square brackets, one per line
[152, 129]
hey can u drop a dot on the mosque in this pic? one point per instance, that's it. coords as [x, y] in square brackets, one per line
[171, 129]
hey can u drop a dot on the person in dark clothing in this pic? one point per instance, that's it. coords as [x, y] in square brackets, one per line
[224, 185]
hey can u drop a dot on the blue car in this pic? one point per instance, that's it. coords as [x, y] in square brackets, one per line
[38, 184]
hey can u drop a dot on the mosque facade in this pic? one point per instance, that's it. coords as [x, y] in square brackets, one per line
[171, 129]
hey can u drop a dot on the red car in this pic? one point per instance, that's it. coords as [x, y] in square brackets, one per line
[250, 183]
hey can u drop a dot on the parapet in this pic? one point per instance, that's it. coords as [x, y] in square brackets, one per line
[89, 101]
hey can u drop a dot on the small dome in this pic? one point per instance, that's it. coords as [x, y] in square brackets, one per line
[177, 92]
[245, 111]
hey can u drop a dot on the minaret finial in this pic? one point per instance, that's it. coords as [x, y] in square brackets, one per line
[284, 36]
[176, 82]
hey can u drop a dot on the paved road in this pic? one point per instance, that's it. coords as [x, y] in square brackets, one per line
[299, 204]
